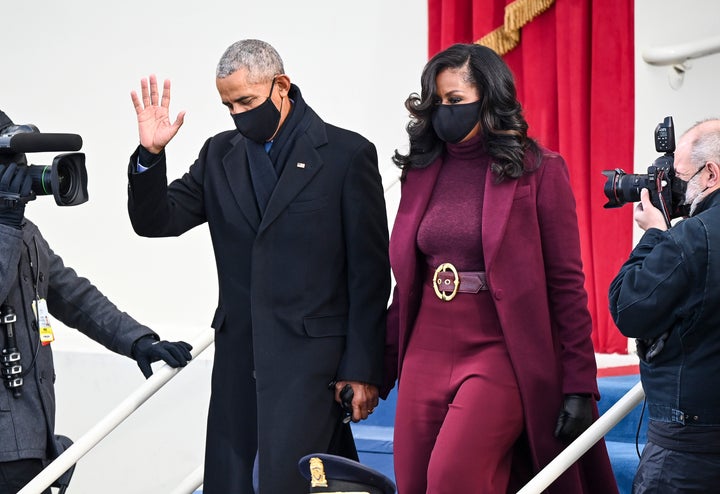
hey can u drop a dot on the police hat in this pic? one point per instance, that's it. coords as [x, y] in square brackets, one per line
[335, 474]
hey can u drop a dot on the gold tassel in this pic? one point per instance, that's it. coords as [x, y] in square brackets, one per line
[517, 14]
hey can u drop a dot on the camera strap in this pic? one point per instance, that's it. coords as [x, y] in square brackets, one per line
[39, 305]
[10, 366]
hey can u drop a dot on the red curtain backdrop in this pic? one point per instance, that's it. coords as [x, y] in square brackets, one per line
[574, 69]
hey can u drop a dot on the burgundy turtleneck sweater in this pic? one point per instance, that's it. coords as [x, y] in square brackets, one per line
[451, 229]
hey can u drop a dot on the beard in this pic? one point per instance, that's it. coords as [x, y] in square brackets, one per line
[694, 194]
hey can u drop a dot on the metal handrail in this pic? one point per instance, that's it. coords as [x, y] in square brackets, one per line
[191, 483]
[681, 53]
[587, 439]
[91, 438]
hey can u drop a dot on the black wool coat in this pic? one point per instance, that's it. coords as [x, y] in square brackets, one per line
[303, 294]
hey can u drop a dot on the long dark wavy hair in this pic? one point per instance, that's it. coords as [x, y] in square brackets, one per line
[502, 123]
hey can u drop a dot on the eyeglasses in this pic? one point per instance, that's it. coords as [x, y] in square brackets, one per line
[681, 176]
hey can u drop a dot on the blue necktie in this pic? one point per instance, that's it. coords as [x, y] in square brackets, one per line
[262, 172]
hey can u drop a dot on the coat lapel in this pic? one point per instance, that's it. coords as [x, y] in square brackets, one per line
[301, 165]
[414, 198]
[496, 211]
[237, 172]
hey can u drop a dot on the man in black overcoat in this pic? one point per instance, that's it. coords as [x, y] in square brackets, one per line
[296, 212]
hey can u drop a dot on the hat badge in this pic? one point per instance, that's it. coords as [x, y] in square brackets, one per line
[317, 473]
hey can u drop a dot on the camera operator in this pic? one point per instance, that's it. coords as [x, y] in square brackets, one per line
[34, 283]
[667, 296]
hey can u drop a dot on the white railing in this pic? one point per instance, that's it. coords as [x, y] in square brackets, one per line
[587, 439]
[191, 483]
[682, 52]
[91, 438]
[677, 57]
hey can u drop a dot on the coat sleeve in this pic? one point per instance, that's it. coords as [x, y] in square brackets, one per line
[76, 302]
[646, 296]
[157, 209]
[10, 245]
[365, 229]
[392, 347]
[567, 298]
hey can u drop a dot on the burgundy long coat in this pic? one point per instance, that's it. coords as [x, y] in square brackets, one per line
[534, 272]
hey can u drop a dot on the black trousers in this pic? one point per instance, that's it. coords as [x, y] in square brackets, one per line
[669, 471]
[14, 475]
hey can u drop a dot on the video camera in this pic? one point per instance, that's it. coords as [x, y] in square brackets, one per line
[666, 192]
[65, 179]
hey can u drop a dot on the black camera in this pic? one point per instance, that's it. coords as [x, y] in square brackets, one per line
[666, 192]
[65, 179]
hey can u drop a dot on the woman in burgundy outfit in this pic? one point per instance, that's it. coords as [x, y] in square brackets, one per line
[488, 331]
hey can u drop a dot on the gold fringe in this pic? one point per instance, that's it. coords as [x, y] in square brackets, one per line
[517, 14]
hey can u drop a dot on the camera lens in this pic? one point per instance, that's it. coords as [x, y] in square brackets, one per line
[66, 179]
[41, 181]
[621, 188]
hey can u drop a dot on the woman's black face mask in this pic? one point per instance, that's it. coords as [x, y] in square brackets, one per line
[452, 123]
[260, 123]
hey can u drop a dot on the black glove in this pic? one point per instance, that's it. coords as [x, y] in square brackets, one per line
[575, 417]
[147, 350]
[16, 183]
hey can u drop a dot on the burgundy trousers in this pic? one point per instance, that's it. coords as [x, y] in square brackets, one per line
[458, 410]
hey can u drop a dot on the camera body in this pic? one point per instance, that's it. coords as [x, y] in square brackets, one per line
[65, 179]
[666, 192]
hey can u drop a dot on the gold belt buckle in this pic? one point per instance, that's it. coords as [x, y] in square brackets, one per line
[446, 266]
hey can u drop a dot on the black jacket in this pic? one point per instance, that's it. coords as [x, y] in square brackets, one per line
[303, 292]
[667, 294]
[27, 423]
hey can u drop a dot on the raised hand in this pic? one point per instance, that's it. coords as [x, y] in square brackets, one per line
[153, 114]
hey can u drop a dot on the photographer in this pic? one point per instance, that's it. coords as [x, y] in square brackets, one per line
[35, 283]
[666, 295]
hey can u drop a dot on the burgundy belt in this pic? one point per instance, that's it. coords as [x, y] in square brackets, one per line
[448, 281]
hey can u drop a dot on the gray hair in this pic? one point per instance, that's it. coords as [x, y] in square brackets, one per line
[260, 59]
[706, 147]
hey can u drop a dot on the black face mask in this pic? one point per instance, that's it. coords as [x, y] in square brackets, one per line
[260, 123]
[685, 201]
[678, 188]
[452, 123]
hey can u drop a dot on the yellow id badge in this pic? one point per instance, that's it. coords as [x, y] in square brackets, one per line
[43, 318]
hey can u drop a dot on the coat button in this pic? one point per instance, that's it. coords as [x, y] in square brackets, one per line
[498, 294]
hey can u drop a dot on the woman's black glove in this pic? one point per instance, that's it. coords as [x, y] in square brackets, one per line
[575, 417]
[147, 350]
[15, 183]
